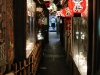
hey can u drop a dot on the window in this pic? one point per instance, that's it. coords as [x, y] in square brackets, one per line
[80, 43]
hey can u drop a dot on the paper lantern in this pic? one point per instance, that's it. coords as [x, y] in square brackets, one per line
[85, 13]
[63, 12]
[66, 12]
[74, 6]
[69, 13]
[47, 3]
[78, 6]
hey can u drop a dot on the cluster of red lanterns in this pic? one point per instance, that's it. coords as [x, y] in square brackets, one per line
[74, 6]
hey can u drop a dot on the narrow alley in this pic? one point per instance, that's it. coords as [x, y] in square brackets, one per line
[54, 61]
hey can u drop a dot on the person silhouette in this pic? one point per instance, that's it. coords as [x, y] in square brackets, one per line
[53, 22]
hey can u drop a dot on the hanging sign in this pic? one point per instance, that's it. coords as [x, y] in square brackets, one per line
[68, 26]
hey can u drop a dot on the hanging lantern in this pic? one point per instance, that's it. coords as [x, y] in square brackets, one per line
[78, 6]
[74, 6]
[63, 12]
[85, 13]
[66, 12]
[69, 13]
[47, 3]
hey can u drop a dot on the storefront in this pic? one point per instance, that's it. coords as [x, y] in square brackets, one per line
[27, 51]
[30, 27]
[80, 43]
[76, 35]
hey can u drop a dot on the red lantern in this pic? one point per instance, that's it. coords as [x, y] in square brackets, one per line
[78, 6]
[74, 6]
[66, 12]
[47, 3]
[69, 13]
[85, 13]
[63, 12]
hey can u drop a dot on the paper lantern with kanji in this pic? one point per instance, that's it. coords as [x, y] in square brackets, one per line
[63, 12]
[69, 13]
[66, 12]
[78, 6]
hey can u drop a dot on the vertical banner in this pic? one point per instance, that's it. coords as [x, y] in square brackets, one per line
[68, 26]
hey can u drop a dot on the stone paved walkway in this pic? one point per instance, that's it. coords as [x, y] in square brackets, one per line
[54, 61]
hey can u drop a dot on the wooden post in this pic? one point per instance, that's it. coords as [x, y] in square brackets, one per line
[20, 72]
[24, 68]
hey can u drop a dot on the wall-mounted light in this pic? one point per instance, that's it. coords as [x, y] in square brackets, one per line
[39, 35]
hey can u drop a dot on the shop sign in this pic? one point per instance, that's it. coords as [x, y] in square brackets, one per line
[68, 27]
